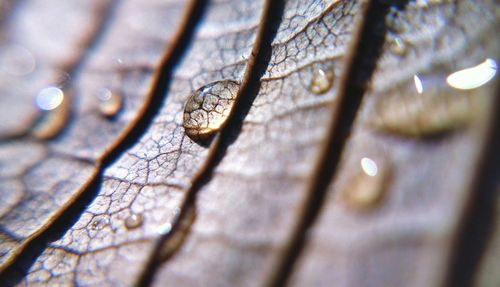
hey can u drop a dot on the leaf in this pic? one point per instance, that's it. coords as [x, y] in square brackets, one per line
[247, 143]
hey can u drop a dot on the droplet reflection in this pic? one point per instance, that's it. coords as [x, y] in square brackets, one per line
[369, 166]
[49, 98]
[418, 84]
[473, 77]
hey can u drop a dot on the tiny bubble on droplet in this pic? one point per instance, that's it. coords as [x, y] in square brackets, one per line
[208, 108]
[133, 221]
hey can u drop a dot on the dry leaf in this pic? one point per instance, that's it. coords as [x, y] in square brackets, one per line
[221, 143]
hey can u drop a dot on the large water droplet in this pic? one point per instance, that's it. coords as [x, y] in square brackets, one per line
[367, 187]
[55, 109]
[208, 108]
[109, 103]
[428, 113]
[133, 221]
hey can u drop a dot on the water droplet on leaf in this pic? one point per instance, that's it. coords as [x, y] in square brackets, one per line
[109, 103]
[55, 109]
[322, 79]
[133, 221]
[208, 108]
[98, 224]
[367, 187]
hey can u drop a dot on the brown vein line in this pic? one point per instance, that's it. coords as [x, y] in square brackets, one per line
[257, 64]
[17, 268]
[365, 50]
[481, 211]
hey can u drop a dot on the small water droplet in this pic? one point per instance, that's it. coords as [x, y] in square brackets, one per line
[49, 98]
[98, 224]
[208, 108]
[322, 79]
[133, 221]
[109, 103]
[398, 46]
[55, 109]
[368, 186]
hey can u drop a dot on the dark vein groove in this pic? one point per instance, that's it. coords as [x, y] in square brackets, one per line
[478, 222]
[19, 268]
[360, 65]
[258, 63]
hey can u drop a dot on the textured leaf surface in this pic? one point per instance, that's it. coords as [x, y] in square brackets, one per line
[245, 143]
[405, 238]
[43, 178]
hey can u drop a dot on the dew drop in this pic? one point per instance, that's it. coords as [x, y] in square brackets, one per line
[208, 108]
[109, 103]
[322, 80]
[98, 224]
[367, 187]
[133, 221]
[55, 109]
